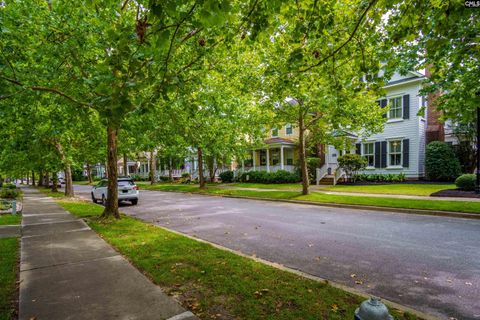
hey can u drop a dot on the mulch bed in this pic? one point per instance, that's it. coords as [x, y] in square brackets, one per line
[459, 193]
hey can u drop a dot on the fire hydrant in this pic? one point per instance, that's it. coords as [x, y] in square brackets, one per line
[372, 309]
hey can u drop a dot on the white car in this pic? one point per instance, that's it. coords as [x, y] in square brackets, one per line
[127, 191]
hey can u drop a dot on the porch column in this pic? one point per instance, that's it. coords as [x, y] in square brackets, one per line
[254, 156]
[268, 160]
[281, 157]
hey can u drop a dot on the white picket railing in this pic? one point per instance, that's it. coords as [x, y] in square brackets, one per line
[337, 175]
[321, 173]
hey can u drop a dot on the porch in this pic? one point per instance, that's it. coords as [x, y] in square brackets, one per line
[279, 154]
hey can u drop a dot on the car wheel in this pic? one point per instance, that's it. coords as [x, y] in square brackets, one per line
[93, 198]
[104, 200]
[134, 202]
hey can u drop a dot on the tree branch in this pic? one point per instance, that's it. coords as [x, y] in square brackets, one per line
[357, 25]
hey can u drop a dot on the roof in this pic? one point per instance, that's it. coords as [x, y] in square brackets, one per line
[278, 140]
[342, 133]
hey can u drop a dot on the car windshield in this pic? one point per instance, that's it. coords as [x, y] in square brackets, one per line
[125, 183]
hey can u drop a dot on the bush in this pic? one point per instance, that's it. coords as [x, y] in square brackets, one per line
[280, 176]
[164, 178]
[440, 162]
[227, 176]
[352, 163]
[9, 186]
[8, 193]
[466, 182]
[378, 177]
[313, 163]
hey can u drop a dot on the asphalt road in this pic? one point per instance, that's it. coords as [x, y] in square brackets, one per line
[429, 263]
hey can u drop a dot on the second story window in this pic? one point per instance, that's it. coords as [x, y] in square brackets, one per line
[369, 154]
[288, 129]
[275, 132]
[396, 108]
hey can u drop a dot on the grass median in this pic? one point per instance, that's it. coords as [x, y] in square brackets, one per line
[412, 189]
[214, 283]
[8, 277]
[9, 219]
[315, 197]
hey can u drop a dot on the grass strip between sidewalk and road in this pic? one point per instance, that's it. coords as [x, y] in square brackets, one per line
[215, 283]
[319, 197]
[8, 276]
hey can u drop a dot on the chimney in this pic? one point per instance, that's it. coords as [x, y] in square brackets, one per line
[435, 130]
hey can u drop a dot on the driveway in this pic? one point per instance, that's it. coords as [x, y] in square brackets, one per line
[429, 263]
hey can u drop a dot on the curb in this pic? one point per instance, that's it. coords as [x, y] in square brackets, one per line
[438, 213]
[351, 290]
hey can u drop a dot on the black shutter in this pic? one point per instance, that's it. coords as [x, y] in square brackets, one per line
[377, 154]
[383, 104]
[383, 157]
[406, 153]
[406, 106]
[358, 149]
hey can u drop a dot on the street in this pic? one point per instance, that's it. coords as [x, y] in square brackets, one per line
[428, 263]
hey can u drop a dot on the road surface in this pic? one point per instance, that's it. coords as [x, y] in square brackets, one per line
[429, 263]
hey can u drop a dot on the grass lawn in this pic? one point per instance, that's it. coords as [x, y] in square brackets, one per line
[8, 277]
[441, 205]
[8, 218]
[414, 189]
[84, 183]
[279, 186]
[214, 283]
[48, 191]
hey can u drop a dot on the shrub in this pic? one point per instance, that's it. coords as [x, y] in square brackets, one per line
[313, 163]
[466, 182]
[7, 193]
[9, 186]
[440, 162]
[378, 177]
[352, 163]
[164, 178]
[227, 176]
[280, 176]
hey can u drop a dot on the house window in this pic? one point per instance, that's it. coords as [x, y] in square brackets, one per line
[395, 153]
[288, 129]
[369, 153]
[396, 108]
[275, 132]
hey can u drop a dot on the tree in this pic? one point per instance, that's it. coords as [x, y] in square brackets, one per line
[311, 65]
[352, 163]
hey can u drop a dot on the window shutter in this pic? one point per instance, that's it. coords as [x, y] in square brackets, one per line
[358, 149]
[377, 154]
[406, 153]
[406, 106]
[383, 104]
[383, 156]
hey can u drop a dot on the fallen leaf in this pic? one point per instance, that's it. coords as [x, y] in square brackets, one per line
[353, 275]
[468, 283]
[359, 282]
[334, 308]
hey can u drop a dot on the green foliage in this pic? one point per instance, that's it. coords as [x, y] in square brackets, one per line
[9, 186]
[379, 177]
[280, 176]
[312, 164]
[227, 176]
[352, 163]
[6, 193]
[440, 162]
[466, 182]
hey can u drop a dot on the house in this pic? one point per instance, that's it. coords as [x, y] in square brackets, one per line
[400, 148]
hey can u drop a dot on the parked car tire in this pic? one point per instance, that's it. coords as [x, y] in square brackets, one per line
[134, 202]
[93, 198]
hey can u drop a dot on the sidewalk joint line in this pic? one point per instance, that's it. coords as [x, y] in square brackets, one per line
[71, 263]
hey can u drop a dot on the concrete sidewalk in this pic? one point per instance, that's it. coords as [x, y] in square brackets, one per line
[68, 272]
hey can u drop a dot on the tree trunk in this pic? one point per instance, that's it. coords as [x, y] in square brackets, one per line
[89, 173]
[303, 160]
[111, 207]
[153, 168]
[54, 182]
[125, 165]
[40, 178]
[47, 179]
[28, 178]
[67, 170]
[170, 174]
[211, 168]
[201, 179]
[69, 192]
[33, 178]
